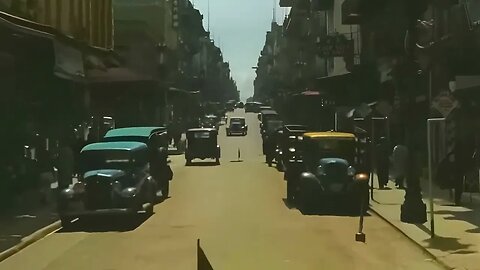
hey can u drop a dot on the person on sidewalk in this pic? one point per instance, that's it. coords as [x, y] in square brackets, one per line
[399, 159]
[382, 162]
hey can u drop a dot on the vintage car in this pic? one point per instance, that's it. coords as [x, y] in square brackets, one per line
[230, 105]
[239, 105]
[237, 126]
[156, 139]
[202, 144]
[329, 175]
[210, 121]
[265, 116]
[114, 179]
[292, 154]
[252, 107]
[270, 138]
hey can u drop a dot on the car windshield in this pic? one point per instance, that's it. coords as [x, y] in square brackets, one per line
[334, 148]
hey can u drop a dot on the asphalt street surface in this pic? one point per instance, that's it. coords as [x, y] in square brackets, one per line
[238, 211]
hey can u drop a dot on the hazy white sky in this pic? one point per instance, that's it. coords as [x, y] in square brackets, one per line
[239, 27]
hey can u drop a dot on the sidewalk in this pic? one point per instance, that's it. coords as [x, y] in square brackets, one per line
[457, 228]
[26, 216]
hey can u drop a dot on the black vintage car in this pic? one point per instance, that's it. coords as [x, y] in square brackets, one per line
[264, 117]
[270, 138]
[252, 107]
[237, 126]
[292, 155]
[329, 176]
[239, 105]
[115, 179]
[211, 121]
[202, 144]
[156, 139]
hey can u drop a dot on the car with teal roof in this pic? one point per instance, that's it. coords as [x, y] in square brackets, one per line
[157, 141]
[114, 179]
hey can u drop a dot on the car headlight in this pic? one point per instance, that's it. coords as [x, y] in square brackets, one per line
[129, 192]
[320, 170]
[300, 138]
[351, 171]
[362, 177]
[292, 150]
[67, 193]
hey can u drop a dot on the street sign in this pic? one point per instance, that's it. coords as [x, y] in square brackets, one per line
[444, 103]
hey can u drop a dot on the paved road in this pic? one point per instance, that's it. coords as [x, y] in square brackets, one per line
[238, 212]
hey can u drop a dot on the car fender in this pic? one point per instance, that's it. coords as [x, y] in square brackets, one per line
[308, 180]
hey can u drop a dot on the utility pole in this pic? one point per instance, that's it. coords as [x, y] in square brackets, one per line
[413, 209]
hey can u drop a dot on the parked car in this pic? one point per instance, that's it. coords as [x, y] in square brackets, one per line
[329, 174]
[292, 155]
[211, 121]
[252, 107]
[270, 138]
[156, 139]
[237, 126]
[230, 105]
[202, 144]
[114, 179]
[265, 116]
[239, 105]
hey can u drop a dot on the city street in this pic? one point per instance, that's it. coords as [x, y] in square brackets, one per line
[237, 210]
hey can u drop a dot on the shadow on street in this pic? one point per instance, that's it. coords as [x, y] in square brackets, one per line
[330, 210]
[448, 244]
[203, 164]
[106, 224]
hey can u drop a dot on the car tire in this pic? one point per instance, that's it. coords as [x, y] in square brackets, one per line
[166, 190]
[188, 162]
[303, 199]
[217, 161]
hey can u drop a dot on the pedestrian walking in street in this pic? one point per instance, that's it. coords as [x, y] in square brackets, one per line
[399, 159]
[382, 162]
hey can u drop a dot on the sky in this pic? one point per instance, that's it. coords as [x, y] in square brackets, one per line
[239, 29]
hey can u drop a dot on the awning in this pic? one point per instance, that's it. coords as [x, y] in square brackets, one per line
[335, 77]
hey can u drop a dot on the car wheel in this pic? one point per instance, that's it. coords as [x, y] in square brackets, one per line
[166, 190]
[304, 201]
[188, 162]
[290, 191]
[217, 161]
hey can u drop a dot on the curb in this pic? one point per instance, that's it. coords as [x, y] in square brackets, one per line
[430, 254]
[30, 239]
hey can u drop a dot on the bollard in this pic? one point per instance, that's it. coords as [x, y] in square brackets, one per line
[360, 236]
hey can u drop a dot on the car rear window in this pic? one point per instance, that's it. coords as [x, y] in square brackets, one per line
[202, 135]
